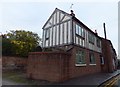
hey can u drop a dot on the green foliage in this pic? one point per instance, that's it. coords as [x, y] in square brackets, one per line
[22, 42]
[6, 47]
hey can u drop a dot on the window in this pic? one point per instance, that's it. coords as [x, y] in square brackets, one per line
[102, 60]
[98, 42]
[77, 29]
[47, 34]
[91, 38]
[83, 32]
[80, 31]
[80, 57]
[92, 58]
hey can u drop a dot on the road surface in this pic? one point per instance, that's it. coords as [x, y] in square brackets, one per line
[114, 82]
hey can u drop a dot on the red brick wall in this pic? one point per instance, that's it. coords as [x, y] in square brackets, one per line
[58, 67]
[107, 54]
[8, 60]
[50, 66]
[76, 71]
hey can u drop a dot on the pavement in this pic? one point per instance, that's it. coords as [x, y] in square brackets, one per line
[93, 79]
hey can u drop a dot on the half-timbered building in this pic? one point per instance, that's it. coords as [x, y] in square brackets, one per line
[63, 29]
[75, 50]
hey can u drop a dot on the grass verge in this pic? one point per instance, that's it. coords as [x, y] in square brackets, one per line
[20, 77]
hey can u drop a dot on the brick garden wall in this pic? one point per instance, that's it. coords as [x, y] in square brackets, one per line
[59, 67]
[51, 66]
[8, 60]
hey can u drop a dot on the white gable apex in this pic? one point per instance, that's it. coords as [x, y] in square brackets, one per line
[57, 17]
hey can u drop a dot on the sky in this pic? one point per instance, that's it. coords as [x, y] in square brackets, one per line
[31, 15]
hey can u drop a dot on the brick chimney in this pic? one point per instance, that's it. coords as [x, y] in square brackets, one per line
[72, 13]
[96, 32]
[104, 30]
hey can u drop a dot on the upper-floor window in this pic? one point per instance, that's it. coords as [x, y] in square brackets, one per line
[77, 29]
[83, 32]
[80, 31]
[98, 42]
[47, 34]
[91, 38]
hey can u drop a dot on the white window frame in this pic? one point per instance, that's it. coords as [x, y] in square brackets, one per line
[80, 31]
[77, 29]
[80, 55]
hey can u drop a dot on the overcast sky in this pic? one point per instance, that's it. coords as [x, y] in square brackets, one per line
[32, 14]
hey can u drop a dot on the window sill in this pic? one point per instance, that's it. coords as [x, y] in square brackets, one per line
[80, 65]
[92, 64]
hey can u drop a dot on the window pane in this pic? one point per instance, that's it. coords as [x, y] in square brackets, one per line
[77, 29]
[83, 57]
[98, 42]
[77, 58]
[77, 40]
[91, 38]
[92, 58]
[83, 32]
[80, 31]
[80, 57]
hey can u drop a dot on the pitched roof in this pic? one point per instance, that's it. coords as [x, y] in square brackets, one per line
[56, 9]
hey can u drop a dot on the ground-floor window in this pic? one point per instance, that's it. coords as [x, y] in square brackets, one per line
[92, 58]
[80, 57]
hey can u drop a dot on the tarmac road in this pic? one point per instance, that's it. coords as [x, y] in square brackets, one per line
[114, 82]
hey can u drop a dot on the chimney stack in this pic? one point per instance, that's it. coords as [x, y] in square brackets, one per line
[104, 30]
[72, 13]
[96, 32]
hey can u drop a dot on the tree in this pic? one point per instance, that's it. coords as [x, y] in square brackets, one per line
[23, 41]
[6, 46]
